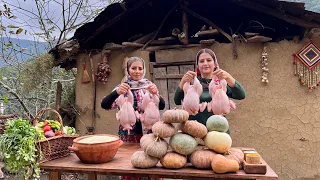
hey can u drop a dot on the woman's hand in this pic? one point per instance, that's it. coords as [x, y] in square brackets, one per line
[152, 88]
[222, 74]
[188, 77]
[123, 88]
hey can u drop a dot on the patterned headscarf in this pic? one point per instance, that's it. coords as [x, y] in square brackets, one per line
[143, 82]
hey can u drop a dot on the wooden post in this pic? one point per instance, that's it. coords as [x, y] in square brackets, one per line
[185, 21]
[58, 98]
[54, 175]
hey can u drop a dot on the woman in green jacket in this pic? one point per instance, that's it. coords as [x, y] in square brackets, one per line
[207, 68]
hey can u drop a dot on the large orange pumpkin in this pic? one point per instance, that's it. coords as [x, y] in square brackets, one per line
[194, 128]
[173, 160]
[202, 158]
[163, 129]
[175, 116]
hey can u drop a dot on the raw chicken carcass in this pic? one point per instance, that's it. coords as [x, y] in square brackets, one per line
[151, 113]
[220, 103]
[191, 100]
[126, 115]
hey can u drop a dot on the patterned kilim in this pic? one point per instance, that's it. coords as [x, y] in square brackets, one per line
[307, 68]
[309, 55]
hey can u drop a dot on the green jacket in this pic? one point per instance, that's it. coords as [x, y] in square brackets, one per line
[237, 92]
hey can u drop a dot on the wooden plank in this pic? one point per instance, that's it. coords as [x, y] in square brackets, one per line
[54, 175]
[250, 34]
[92, 176]
[168, 76]
[208, 41]
[132, 44]
[180, 55]
[162, 85]
[121, 165]
[207, 33]
[163, 42]
[112, 46]
[258, 39]
[190, 62]
[173, 85]
[168, 38]
[154, 48]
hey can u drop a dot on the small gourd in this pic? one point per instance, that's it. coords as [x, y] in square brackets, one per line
[153, 146]
[183, 143]
[221, 164]
[142, 160]
[217, 123]
[220, 142]
[194, 128]
[175, 116]
[173, 160]
[163, 130]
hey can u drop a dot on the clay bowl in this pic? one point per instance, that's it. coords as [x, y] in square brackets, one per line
[95, 153]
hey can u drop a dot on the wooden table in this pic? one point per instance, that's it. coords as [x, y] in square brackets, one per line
[121, 165]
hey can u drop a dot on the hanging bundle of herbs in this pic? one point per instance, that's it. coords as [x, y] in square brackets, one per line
[18, 146]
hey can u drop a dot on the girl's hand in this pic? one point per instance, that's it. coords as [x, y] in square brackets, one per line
[123, 88]
[222, 74]
[188, 77]
[152, 88]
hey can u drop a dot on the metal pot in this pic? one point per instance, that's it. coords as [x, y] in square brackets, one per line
[98, 152]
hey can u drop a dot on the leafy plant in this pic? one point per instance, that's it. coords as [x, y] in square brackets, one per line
[18, 146]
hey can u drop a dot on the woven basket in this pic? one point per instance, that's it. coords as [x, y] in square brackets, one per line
[57, 146]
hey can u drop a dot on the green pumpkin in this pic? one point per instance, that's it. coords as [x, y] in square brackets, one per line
[217, 123]
[183, 143]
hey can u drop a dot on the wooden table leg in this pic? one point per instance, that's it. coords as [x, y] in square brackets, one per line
[54, 175]
[92, 176]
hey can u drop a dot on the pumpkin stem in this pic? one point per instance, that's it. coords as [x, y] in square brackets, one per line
[227, 153]
[157, 138]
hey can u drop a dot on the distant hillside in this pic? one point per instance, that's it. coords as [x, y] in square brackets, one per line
[31, 47]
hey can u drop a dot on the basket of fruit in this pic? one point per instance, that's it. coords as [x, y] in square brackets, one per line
[56, 138]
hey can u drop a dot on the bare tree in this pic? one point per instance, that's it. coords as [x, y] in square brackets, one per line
[51, 21]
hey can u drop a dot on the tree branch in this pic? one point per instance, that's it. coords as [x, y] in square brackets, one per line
[19, 99]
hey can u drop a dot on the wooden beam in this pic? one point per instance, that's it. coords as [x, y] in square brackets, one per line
[112, 46]
[145, 38]
[258, 39]
[116, 19]
[272, 12]
[209, 22]
[208, 41]
[154, 48]
[207, 33]
[132, 44]
[162, 23]
[185, 22]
